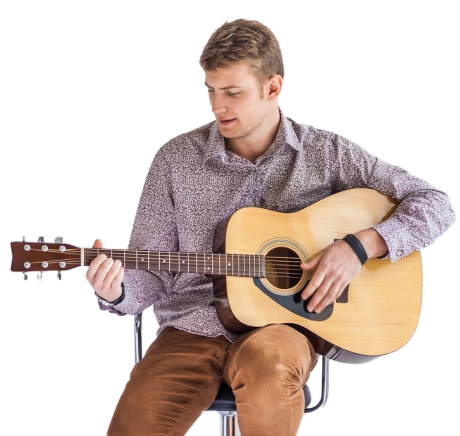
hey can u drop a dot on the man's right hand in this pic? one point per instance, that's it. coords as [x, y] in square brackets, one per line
[105, 275]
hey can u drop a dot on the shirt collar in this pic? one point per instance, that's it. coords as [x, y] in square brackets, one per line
[215, 146]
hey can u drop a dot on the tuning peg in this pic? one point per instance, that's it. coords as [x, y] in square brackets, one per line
[59, 240]
[41, 277]
[23, 239]
[59, 275]
[25, 276]
[41, 239]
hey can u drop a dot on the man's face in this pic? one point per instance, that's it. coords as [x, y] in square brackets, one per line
[240, 101]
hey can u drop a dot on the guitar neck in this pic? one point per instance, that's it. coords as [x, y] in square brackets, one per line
[243, 265]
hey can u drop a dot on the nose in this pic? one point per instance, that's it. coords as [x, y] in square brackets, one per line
[218, 104]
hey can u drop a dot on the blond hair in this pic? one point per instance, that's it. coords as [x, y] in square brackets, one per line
[244, 41]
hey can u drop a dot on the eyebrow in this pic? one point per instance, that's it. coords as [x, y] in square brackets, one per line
[227, 87]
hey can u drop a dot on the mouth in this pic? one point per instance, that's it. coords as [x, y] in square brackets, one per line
[226, 122]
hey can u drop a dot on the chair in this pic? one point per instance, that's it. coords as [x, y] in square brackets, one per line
[224, 402]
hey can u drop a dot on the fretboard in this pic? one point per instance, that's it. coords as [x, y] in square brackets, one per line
[243, 265]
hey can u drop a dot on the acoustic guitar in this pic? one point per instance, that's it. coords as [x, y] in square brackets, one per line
[258, 280]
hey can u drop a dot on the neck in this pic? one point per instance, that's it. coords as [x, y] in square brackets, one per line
[259, 140]
[243, 265]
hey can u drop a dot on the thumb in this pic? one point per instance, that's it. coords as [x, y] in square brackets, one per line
[311, 263]
[97, 243]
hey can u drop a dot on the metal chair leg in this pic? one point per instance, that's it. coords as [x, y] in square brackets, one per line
[324, 386]
[228, 423]
[137, 337]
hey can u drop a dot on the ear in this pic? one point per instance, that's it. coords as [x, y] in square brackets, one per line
[274, 86]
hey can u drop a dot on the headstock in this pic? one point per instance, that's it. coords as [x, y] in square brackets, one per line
[43, 256]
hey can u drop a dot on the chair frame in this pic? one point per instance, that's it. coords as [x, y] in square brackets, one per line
[228, 418]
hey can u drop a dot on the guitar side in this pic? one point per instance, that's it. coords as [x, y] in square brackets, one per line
[384, 299]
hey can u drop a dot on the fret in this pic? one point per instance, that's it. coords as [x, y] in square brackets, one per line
[212, 263]
[169, 261]
[178, 262]
[226, 263]
[136, 259]
[196, 262]
[232, 264]
[219, 263]
[142, 265]
[188, 262]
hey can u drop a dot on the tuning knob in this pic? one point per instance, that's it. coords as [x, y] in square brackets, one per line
[41, 239]
[59, 275]
[41, 277]
[25, 276]
[59, 240]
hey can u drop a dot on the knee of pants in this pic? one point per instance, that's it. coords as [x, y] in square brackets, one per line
[277, 354]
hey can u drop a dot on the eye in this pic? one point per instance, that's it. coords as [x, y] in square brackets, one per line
[232, 93]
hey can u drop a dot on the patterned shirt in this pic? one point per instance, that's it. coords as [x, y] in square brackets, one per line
[195, 184]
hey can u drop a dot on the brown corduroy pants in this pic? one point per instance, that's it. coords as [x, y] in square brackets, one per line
[181, 372]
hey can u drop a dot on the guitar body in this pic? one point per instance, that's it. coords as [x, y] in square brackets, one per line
[376, 315]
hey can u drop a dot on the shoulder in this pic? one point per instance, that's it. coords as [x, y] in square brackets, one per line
[311, 137]
[325, 139]
[187, 145]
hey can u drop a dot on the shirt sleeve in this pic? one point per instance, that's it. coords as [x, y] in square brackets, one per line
[423, 213]
[154, 229]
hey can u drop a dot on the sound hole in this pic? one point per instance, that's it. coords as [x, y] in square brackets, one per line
[282, 266]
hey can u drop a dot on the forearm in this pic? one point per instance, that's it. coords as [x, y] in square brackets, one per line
[373, 243]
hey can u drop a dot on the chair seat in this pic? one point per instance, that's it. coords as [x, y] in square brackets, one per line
[225, 399]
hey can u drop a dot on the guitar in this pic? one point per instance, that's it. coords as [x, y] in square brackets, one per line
[258, 280]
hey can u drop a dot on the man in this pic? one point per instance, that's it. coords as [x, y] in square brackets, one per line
[251, 155]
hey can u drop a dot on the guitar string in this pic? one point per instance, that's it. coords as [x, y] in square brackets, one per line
[293, 275]
[74, 262]
[176, 261]
[107, 250]
[165, 253]
[77, 261]
[283, 274]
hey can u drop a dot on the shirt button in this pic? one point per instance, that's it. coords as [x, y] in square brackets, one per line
[252, 204]
[426, 244]
[399, 252]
